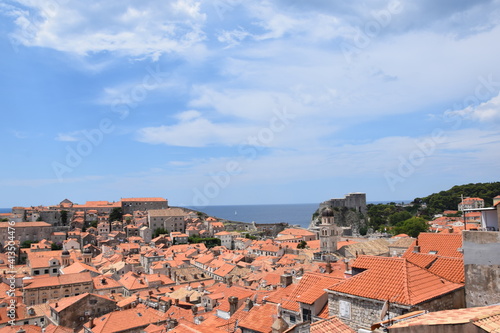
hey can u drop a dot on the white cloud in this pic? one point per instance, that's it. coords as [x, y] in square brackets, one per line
[193, 130]
[149, 28]
[69, 137]
[486, 112]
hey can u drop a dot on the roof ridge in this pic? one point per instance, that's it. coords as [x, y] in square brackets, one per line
[406, 288]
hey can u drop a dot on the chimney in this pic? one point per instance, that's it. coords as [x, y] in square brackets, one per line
[286, 280]
[194, 309]
[176, 302]
[416, 248]
[171, 323]
[91, 324]
[248, 304]
[233, 304]
[328, 267]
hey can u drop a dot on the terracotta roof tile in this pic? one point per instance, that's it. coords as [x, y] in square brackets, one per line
[445, 244]
[330, 325]
[260, 318]
[394, 279]
[310, 287]
[116, 321]
[453, 317]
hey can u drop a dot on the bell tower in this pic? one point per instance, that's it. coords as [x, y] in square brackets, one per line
[329, 233]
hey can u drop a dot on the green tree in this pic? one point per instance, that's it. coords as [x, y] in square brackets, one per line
[56, 246]
[27, 244]
[397, 217]
[363, 230]
[159, 231]
[412, 227]
[116, 214]
[302, 244]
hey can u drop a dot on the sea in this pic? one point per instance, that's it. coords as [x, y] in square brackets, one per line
[293, 214]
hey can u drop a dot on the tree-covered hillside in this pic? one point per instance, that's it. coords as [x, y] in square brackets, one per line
[451, 198]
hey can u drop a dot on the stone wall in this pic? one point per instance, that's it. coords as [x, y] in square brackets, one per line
[482, 267]
[365, 312]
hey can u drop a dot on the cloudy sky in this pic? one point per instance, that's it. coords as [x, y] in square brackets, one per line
[246, 102]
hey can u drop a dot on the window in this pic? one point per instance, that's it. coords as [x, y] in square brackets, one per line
[306, 315]
[292, 319]
[345, 309]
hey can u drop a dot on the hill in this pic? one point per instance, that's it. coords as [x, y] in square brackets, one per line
[451, 198]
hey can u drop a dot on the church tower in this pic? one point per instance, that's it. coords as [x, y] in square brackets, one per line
[65, 257]
[329, 233]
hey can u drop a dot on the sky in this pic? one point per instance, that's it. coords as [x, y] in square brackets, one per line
[246, 102]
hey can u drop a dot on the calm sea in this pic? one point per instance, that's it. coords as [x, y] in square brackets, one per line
[5, 210]
[290, 213]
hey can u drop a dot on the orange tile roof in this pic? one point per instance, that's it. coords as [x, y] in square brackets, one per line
[452, 269]
[134, 318]
[445, 244]
[297, 232]
[451, 317]
[49, 281]
[310, 287]
[65, 302]
[21, 328]
[224, 269]
[330, 325]
[260, 318]
[489, 323]
[394, 279]
[25, 224]
[423, 260]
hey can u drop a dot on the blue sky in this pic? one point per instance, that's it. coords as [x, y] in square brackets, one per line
[246, 102]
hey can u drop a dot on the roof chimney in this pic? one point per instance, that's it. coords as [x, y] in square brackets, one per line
[248, 304]
[233, 304]
[286, 280]
[328, 267]
[416, 248]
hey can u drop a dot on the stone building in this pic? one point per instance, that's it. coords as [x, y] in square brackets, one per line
[44, 288]
[470, 203]
[75, 311]
[385, 286]
[482, 267]
[171, 219]
[356, 201]
[24, 231]
[129, 205]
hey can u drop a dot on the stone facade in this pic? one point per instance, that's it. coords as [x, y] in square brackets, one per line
[143, 204]
[356, 201]
[482, 264]
[172, 219]
[42, 289]
[361, 313]
[82, 307]
[24, 231]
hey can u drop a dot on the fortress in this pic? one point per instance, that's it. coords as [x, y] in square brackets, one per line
[355, 200]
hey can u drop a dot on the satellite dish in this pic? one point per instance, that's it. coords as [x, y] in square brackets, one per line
[384, 311]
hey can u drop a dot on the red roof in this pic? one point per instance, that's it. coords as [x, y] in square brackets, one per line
[444, 244]
[310, 287]
[330, 325]
[394, 279]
